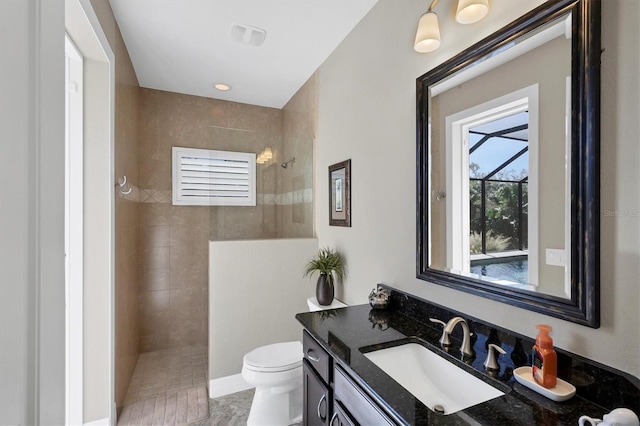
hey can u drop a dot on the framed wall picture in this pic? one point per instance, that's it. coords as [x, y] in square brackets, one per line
[340, 194]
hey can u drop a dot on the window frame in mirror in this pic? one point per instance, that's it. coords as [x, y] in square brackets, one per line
[583, 307]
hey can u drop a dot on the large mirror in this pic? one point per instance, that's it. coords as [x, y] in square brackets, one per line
[508, 165]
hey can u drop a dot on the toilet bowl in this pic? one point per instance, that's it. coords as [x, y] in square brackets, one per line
[276, 372]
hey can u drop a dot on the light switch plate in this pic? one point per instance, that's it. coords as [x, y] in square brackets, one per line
[556, 257]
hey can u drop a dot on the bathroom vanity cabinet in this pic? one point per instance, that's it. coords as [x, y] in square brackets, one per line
[343, 387]
[331, 396]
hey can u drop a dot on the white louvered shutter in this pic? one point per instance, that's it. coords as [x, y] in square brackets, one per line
[205, 177]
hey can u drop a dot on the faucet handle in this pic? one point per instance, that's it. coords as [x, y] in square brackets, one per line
[491, 363]
[444, 339]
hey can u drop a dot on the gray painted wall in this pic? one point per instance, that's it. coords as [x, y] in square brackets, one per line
[367, 113]
[255, 289]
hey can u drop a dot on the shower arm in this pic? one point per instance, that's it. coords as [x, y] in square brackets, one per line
[286, 163]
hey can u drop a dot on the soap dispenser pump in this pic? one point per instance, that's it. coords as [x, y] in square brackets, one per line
[544, 369]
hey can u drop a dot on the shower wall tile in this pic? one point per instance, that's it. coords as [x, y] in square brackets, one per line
[155, 214]
[155, 235]
[185, 302]
[189, 215]
[154, 301]
[155, 339]
[174, 239]
[155, 257]
[185, 235]
[154, 279]
[126, 214]
[299, 128]
[182, 276]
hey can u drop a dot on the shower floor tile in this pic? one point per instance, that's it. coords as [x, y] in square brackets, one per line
[168, 387]
[157, 373]
[175, 408]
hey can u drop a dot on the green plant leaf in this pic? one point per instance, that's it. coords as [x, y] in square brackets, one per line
[327, 261]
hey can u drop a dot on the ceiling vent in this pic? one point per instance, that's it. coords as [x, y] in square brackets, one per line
[247, 34]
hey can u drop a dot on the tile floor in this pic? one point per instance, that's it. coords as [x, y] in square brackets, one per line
[168, 387]
[230, 410]
[170, 370]
[175, 408]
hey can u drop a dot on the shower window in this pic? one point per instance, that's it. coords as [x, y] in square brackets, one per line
[206, 177]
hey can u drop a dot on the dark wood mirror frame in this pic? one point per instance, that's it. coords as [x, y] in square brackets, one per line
[584, 305]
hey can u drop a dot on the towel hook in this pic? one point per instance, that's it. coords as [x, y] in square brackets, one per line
[122, 185]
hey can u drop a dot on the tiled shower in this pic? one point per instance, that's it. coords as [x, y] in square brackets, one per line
[170, 243]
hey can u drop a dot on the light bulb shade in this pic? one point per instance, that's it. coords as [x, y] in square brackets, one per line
[428, 34]
[470, 11]
[267, 153]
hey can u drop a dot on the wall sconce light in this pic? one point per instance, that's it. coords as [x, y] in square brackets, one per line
[471, 11]
[265, 155]
[428, 34]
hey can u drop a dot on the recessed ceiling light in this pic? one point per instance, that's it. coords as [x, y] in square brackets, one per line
[221, 86]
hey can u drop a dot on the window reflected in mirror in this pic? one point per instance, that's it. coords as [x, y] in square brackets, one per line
[500, 150]
[498, 174]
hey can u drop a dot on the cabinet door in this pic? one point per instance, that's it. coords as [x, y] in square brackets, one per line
[316, 409]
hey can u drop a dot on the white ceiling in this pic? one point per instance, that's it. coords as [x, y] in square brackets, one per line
[184, 46]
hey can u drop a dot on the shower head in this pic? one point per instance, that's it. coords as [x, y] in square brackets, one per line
[286, 163]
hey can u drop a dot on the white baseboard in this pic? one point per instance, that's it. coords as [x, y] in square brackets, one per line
[99, 422]
[227, 385]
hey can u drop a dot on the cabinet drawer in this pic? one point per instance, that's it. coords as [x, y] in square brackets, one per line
[350, 398]
[340, 417]
[317, 356]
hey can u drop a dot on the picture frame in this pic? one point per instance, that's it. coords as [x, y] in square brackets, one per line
[340, 194]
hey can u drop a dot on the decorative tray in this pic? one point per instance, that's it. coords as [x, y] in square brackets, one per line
[561, 392]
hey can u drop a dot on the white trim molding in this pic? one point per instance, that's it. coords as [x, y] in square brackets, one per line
[227, 385]
[99, 422]
[84, 29]
[74, 220]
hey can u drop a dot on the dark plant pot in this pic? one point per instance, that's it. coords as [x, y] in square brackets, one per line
[324, 289]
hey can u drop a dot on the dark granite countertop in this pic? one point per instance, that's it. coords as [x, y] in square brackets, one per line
[348, 332]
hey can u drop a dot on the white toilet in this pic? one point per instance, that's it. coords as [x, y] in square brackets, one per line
[276, 372]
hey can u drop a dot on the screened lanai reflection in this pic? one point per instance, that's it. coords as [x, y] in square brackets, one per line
[498, 197]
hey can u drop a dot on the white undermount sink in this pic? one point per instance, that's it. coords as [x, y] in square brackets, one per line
[439, 384]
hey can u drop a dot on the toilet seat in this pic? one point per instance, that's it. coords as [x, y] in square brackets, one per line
[274, 358]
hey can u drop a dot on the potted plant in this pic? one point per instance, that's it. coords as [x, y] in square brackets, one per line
[327, 263]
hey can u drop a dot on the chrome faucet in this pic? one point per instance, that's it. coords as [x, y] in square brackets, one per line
[465, 348]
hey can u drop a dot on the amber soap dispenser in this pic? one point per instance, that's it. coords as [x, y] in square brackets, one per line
[544, 369]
